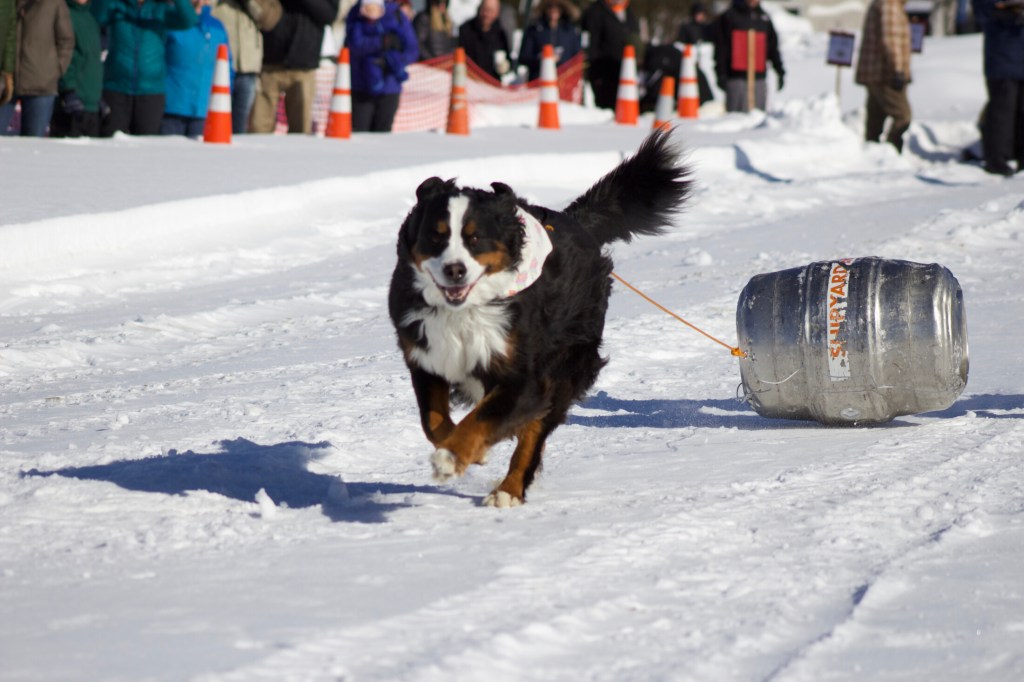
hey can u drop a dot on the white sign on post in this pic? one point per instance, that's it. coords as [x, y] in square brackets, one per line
[917, 37]
[840, 48]
[840, 52]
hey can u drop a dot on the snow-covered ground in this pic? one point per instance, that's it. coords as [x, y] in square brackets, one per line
[211, 465]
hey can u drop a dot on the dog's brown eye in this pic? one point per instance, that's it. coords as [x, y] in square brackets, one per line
[472, 240]
[435, 238]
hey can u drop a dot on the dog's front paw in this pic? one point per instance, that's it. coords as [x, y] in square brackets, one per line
[444, 464]
[501, 500]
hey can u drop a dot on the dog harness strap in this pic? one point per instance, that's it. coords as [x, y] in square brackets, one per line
[536, 247]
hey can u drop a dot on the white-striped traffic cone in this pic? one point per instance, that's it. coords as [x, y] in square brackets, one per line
[458, 110]
[548, 117]
[218, 114]
[689, 92]
[339, 119]
[627, 102]
[665, 108]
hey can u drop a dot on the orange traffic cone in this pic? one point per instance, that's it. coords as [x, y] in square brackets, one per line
[627, 102]
[339, 119]
[689, 93]
[218, 113]
[666, 104]
[458, 112]
[548, 90]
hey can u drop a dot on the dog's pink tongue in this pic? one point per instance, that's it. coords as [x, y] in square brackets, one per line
[456, 294]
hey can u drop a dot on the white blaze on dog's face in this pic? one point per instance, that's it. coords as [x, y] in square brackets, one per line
[464, 254]
[454, 271]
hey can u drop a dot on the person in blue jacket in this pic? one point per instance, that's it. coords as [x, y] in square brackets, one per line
[191, 58]
[555, 25]
[134, 72]
[1002, 130]
[381, 43]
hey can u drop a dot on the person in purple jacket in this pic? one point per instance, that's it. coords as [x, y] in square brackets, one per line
[381, 43]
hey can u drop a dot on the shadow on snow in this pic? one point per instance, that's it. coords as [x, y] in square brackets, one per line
[732, 413]
[242, 468]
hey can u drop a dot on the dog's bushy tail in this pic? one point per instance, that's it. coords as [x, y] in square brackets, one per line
[640, 196]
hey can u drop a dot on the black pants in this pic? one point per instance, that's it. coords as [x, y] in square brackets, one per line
[373, 113]
[81, 124]
[1002, 133]
[134, 114]
[604, 81]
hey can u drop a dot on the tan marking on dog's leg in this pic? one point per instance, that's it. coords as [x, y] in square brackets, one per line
[468, 442]
[439, 421]
[512, 491]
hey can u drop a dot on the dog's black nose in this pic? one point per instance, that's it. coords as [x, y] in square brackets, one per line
[455, 272]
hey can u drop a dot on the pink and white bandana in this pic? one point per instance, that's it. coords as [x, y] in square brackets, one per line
[536, 247]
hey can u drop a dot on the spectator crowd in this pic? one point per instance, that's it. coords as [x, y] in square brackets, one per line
[145, 67]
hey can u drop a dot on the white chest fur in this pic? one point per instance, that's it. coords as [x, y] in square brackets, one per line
[461, 340]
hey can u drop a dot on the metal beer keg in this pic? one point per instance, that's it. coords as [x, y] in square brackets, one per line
[852, 341]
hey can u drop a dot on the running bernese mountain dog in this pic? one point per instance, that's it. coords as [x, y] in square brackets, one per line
[500, 305]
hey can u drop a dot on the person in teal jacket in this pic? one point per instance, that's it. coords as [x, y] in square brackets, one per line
[191, 58]
[135, 72]
[77, 113]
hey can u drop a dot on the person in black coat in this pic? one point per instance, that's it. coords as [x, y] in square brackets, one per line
[485, 42]
[698, 28]
[666, 60]
[555, 25]
[434, 30]
[611, 25]
[731, 54]
[291, 55]
[1002, 129]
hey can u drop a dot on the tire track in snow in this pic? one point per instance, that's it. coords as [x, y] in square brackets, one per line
[705, 553]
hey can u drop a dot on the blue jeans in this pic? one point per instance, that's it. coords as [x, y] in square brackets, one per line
[182, 125]
[242, 97]
[36, 111]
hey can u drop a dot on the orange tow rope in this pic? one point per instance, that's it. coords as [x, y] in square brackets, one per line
[736, 352]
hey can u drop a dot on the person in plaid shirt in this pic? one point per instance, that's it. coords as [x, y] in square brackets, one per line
[883, 67]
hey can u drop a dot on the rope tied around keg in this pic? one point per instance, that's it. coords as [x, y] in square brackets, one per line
[735, 351]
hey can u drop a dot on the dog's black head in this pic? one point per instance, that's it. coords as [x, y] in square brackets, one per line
[464, 244]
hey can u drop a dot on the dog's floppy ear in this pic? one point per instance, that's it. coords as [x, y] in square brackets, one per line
[506, 197]
[408, 233]
[428, 189]
[432, 187]
[502, 190]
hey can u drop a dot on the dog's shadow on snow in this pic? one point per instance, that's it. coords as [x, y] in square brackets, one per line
[241, 468]
[677, 414]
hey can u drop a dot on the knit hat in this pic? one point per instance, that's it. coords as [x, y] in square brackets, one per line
[372, 9]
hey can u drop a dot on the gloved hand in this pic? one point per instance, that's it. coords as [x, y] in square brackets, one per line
[721, 84]
[782, 78]
[71, 103]
[6, 88]
[393, 62]
[898, 81]
[391, 41]
[104, 109]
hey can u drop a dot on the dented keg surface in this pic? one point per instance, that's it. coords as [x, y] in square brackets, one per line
[853, 341]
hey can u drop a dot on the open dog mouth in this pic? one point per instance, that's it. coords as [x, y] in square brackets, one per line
[456, 295]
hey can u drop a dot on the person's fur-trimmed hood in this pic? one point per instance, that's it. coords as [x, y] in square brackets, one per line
[569, 10]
